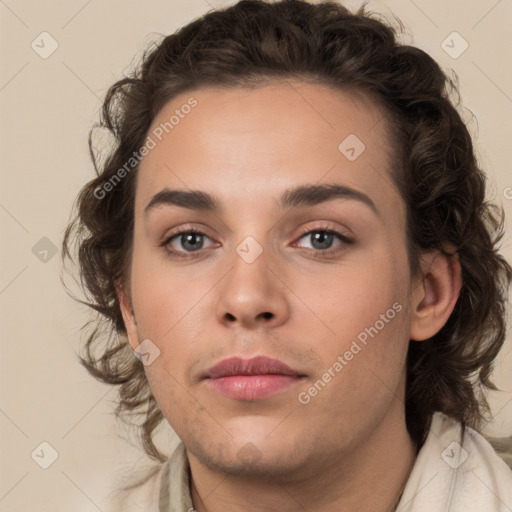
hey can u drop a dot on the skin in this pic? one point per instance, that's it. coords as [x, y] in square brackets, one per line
[348, 448]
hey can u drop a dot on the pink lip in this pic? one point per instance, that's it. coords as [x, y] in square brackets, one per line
[251, 379]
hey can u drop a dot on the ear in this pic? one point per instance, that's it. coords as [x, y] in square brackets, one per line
[435, 293]
[128, 315]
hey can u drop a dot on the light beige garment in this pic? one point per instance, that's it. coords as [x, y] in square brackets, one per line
[448, 476]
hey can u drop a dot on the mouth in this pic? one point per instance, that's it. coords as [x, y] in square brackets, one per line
[251, 379]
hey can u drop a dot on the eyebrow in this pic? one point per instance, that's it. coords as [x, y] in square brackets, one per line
[300, 196]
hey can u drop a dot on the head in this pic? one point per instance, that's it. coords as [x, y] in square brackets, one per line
[339, 212]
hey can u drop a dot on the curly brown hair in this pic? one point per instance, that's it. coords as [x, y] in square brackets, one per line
[435, 169]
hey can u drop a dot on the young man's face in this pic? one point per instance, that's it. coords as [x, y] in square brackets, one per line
[336, 312]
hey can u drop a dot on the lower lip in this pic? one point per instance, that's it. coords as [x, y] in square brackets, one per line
[251, 387]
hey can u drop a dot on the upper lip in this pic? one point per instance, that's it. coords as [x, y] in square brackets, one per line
[260, 365]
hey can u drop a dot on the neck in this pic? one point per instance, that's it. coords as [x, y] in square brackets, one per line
[369, 476]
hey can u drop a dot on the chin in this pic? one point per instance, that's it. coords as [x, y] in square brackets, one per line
[250, 461]
[253, 453]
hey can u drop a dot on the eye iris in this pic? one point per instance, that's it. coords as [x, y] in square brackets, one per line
[324, 238]
[189, 238]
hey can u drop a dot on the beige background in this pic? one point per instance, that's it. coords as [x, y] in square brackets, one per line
[47, 107]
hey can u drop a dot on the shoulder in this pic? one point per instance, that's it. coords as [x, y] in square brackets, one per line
[141, 495]
[457, 469]
[167, 488]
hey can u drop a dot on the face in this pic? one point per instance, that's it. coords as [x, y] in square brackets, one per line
[317, 279]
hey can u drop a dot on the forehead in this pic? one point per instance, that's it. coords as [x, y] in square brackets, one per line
[245, 144]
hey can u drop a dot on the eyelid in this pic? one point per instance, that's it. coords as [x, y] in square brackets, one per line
[344, 238]
[327, 227]
[185, 228]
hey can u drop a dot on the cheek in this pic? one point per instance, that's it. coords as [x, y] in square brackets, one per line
[364, 319]
[183, 412]
[363, 363]
[164, 310]
[353, 298]
[163, 296]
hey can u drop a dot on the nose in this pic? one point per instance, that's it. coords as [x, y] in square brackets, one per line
[252, 295]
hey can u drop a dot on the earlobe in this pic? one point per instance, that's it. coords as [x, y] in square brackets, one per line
[128, 315]
[435, 294]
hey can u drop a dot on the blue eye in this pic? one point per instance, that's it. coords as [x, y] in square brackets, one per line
[188, 242]
[190, 239]
[322, 240]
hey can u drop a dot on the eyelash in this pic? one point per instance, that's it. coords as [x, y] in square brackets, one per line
[318, 252]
